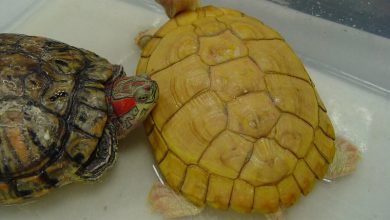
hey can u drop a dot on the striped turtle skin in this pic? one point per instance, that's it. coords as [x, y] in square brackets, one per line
[54, 118]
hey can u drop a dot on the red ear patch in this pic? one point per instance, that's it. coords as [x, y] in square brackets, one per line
[123, 106]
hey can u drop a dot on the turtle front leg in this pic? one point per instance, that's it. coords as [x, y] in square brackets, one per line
[345, 160]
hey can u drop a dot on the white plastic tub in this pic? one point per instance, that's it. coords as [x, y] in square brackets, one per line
[350, 68]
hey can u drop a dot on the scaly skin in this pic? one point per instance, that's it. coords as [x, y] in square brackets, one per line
[132, 98]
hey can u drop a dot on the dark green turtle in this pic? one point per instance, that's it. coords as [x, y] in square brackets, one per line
[62, 110]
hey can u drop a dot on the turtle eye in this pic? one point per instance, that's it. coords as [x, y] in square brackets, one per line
[142, 98]
[141, 95]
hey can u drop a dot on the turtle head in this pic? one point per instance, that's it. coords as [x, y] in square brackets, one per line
[173, 7]
[132, 99]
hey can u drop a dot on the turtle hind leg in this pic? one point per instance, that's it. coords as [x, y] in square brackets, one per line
[167, 202]
[345, 161]
[275, 216]
[103, 157]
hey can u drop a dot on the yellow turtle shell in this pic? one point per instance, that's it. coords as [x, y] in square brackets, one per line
[239, 123]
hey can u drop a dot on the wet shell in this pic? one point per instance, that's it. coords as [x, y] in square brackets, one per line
[239, 123]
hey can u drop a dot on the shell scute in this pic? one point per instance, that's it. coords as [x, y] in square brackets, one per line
[174, 177]
[253, 114]
[31, 186]
[294, 96]
[57, 97]
[235, 78]
[95, 98]
[242, 196]
[186, 124]
[80, 146]
[266, 199]
[195, 184]
[99, 69]
[175, 46]
[294, 134]
[89, 120]
[219, 191]
[27, 135]
[208, 26]
[275, 56]
[186, 79]
[221, 48]
[248, 28]
[304, 177]
[268, 164]
[66, 60]
[226, 154]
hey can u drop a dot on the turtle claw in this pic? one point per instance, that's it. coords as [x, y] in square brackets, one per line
[345, 160]
[275, 216]
[167, 202]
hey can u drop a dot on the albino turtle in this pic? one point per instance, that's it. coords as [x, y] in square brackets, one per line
[239, 123]
[62, 110]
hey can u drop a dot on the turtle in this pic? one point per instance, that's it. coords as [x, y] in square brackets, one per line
[239, 123]
[62, 111]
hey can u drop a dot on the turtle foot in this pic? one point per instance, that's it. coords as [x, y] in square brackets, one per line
[345, 161]
[167, 202]
[275, 216]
